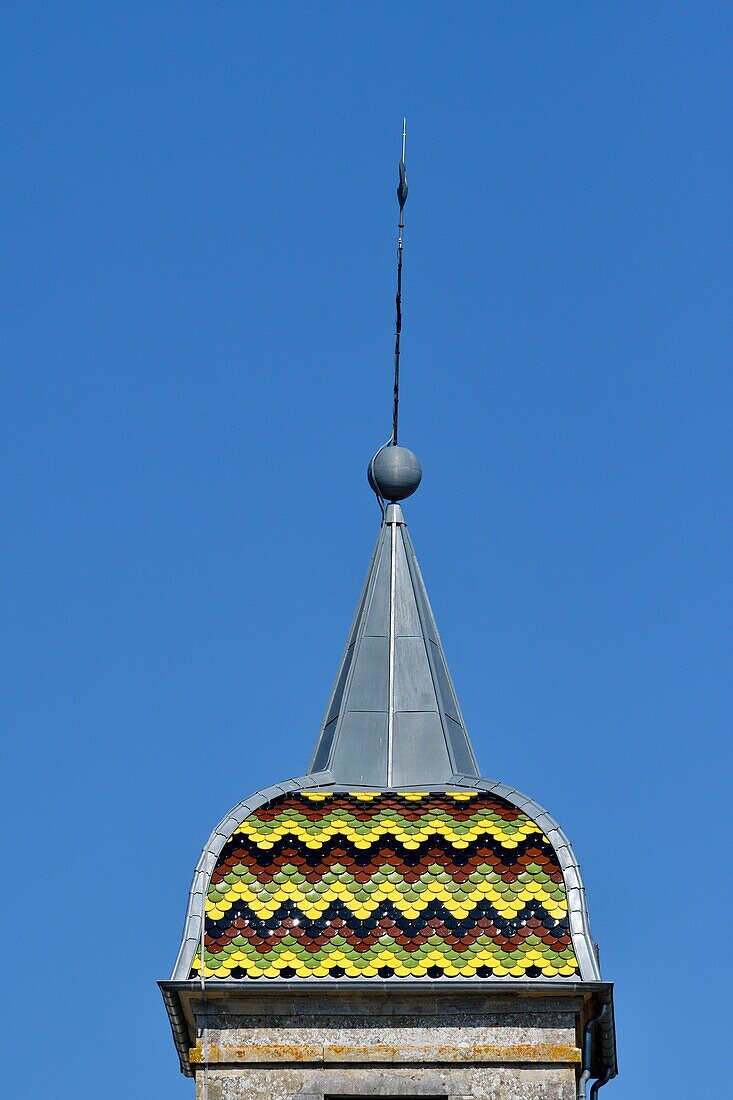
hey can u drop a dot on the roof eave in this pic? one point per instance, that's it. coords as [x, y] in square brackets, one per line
[178, 994]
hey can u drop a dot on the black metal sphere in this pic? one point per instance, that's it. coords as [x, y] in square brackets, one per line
[394, 473]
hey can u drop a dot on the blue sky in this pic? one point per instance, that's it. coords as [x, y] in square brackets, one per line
[198, 233]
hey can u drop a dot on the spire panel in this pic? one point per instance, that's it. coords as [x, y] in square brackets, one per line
[393, 718]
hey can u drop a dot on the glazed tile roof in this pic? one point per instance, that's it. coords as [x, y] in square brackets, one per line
[380, 884]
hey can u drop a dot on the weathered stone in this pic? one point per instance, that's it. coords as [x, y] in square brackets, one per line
[444, 1047]
[495, 1083]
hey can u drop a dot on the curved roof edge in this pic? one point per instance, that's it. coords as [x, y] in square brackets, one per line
[212, 850]
[580, 932]
[585, 948]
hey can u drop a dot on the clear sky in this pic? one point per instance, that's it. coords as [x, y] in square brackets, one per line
[198, 216]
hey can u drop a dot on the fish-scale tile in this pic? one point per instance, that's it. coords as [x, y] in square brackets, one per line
[367, 885]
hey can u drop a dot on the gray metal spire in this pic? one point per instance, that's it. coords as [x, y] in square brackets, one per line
[393, 719]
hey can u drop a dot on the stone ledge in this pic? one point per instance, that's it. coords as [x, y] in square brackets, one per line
[385, 1053]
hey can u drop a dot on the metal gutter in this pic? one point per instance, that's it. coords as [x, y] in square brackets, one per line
[421, 986]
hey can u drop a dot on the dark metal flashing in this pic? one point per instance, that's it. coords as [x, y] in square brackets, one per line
[182, 1036]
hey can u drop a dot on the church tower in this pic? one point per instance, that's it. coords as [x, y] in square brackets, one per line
[391, 923]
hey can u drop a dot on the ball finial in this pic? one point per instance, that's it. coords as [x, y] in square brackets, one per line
[394, 473]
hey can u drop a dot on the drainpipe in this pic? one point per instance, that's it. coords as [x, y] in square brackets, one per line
[599, 1084]
[587, 1052]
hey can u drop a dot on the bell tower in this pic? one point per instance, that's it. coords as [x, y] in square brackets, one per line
[391, 923]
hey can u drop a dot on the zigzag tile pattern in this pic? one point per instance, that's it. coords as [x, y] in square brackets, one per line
[375, 885]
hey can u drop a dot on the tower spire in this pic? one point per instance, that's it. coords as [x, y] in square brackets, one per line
[393, 719]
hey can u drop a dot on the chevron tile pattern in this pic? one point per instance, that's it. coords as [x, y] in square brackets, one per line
[381, 884]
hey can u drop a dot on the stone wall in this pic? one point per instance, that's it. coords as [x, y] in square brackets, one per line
[490, 1083]
[442, 1045]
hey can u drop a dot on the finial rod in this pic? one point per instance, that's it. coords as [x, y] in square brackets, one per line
[402, 199]
[394, 473]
